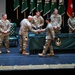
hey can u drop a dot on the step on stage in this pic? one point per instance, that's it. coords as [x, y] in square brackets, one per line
[37, 67]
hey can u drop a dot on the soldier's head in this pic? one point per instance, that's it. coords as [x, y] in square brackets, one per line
[55, 11]
[4, 16]
[30, 18]
[38, 13]
[48, 20]
[73, 14]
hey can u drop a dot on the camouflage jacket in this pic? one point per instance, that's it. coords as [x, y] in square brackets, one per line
[4, 26]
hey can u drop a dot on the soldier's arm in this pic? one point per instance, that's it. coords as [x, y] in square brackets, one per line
[52, 18]
[52, 33]
[51, 30]
[42, 22]
[74, 23]
[45, 29]
[70, 24]
[32, 30]
[33, 23]
[1, 30]
[60, 21]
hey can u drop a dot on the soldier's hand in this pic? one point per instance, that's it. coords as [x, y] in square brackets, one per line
[5, 32]
[39, 30]
[55, 27]
[38, 26]
[52, 39]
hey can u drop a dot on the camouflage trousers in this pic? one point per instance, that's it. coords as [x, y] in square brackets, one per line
[4, 39]
[23, 42]
[48, 44]
[57, 30]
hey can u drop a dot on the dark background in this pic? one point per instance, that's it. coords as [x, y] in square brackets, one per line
[12, 14]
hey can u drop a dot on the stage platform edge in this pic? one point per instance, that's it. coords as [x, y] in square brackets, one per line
[37, 67]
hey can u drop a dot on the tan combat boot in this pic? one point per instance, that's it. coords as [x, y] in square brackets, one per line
[0, 51]
[51, 54]
[24, 52]
[41, 54]
[7, 51]
[20, 50]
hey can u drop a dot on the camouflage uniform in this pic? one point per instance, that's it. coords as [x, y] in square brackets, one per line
[4, 26]
[37, 22]
[49, 35]
[23, 32]
[56, 20]
[71, 24]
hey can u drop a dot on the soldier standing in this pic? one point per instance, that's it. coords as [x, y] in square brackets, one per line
[71, 23]
[25, 26]
[50, 35]
[38, 21]
[4, 32]
[56, 21]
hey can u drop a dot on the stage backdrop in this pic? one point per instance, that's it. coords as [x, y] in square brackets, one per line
[2, 7]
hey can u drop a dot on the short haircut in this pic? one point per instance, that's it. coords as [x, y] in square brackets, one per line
[55, 9]
[29, 16]
[49, 19]
[3, 15]
[37, 11]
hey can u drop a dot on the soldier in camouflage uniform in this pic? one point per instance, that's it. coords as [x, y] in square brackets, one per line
[56, 21]
[4, 32]
[71, 23]
[25, 26]
[38, 21]
[50, 35]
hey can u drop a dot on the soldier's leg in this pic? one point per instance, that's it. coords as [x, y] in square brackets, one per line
[51, 49]
[1, 42]
[45, 48]
[25, 44]
[6, 41]
[21, 43]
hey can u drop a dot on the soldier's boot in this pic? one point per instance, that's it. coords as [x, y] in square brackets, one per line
[41, 54]
[7, 51]
[0, 51]
[21, 50]
[51, 54]
[24, 52]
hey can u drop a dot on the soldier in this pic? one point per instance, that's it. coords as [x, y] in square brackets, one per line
[50, 35]
[71, 23]
[25, 26]
[56, 21]
[4, 32]
[38, 21]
